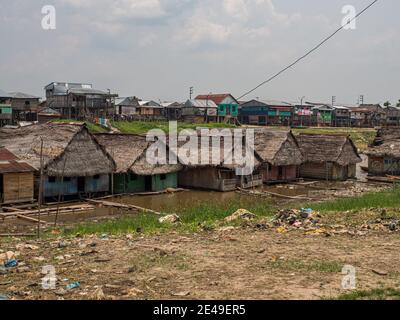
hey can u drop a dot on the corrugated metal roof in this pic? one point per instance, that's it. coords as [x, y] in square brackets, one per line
[4, 94]
[217, 98]
[195, 103]
[9, 163]
[21, 95]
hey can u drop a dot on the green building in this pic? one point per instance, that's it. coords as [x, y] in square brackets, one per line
[134, 174]
[228, 106]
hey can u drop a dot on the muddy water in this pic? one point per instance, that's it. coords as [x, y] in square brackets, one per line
[180, 201]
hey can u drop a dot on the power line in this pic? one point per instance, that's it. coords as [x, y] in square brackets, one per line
[310, 51]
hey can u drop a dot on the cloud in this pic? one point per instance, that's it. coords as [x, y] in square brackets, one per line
[231, 21]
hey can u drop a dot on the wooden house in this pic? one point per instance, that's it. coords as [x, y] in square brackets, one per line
[133, 172]
[328, 157]
[126, 107]
[200, 111]
[341, 116]
[392, 116]
[172, 110]
[79, 101]
[254, 112]
[280, 155]
[74, 164]
[384, 153]
[303, 116]
[323, 114]
[214, 173]
[228, 106]
[5, 108]
[24, 106]
[16, 179]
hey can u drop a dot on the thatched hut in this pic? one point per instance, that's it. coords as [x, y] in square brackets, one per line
[16, 179]
[206, 172]
[280, 155]
[384, 153]
[73, 163]
[133, 172]
[328, 157]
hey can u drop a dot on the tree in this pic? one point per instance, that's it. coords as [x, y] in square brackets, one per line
[387, 104]
[398, 104]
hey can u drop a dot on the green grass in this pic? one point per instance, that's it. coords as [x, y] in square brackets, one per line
[361, 137]
[140, 127]
[93, 128]
[374, 294]
[201, 217]
[384, 199]
[309, 266]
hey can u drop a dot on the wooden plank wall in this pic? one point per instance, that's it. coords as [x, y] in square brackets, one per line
[18, 186]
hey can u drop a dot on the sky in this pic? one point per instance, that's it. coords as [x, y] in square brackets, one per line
[158, 49]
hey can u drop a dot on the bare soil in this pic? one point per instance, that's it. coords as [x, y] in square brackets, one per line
[232, 263]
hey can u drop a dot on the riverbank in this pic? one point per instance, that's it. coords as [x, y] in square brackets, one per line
[207, 256]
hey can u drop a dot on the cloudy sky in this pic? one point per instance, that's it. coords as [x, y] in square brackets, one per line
[157, 49]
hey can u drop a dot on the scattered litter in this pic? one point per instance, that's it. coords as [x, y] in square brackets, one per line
[181, 294]
[242, 214]
[172, 218]
[11, 263]
[380, 272]
[281, 230]
[74, 285]
[9, 255]
[104, 236]
[3, 297]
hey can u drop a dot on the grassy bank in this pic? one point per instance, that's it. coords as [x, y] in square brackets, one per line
[139, 127]
[386, 199]
[374, 294]
[202, 217]
[361, 137]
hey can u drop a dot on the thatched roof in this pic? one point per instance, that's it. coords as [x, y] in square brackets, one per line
[278, 148]
[390, 149]
[224, 159]
[129, 153]
[68, 149]
[328, 148]
[386, 135]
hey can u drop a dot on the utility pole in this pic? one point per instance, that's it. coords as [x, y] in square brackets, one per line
[333, 100]
[191, 91]
[361, 99]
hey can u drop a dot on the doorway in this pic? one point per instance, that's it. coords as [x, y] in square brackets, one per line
[148, 183]
[81, 184]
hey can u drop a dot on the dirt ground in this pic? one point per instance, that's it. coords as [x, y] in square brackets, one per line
[231, 263]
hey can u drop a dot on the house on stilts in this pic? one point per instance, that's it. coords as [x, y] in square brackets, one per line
[212, 166]
[16, 179]
[328, 157]
[280, 155]
[74, 164]
[384, 153]
[134, 174]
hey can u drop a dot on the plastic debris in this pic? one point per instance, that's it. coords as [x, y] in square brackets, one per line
[11, 263]
[242, 214]
[74, 285]
[172, 218]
